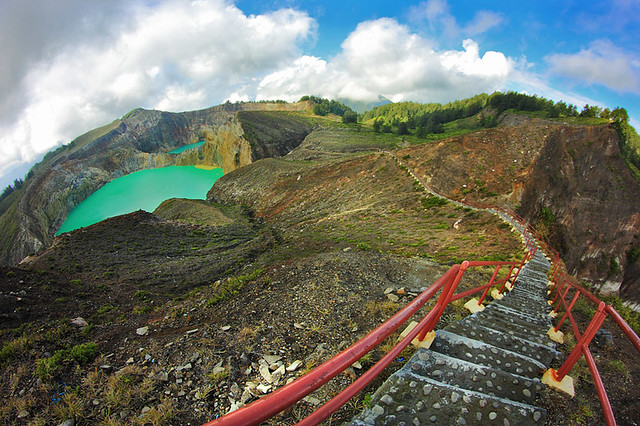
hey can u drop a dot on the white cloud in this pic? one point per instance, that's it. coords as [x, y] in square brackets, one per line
[173, 55]
[602, 63]
[383, 57]
[441, 22]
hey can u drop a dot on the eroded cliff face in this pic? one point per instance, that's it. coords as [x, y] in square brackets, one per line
[141, 140]
[591, 207]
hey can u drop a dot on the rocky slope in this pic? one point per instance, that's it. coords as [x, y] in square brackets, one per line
[569, 181]
[140, 140]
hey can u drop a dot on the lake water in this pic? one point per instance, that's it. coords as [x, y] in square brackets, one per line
[145, 190]
[186, 147]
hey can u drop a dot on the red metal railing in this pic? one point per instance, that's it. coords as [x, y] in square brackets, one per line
[270, 405]
[563, 285]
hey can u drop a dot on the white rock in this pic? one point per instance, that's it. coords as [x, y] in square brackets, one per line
[225, 328]
[145, 409]
[294, 365]
[392, 297]
[298, 325]
[265, 373]
[311, 400]
[264, 388]
[388, 290]
[277, 375]
[272, 359]
[79, 321]
[142, 331]
[357, 365]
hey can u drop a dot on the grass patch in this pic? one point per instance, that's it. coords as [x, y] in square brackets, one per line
[233, 285]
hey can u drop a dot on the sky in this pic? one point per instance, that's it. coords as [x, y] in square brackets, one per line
[69, 66]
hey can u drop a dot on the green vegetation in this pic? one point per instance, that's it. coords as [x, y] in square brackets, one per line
[324, 106]
[47, 368]
[233, 285]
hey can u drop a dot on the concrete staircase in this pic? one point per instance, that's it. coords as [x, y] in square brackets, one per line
[484, 369]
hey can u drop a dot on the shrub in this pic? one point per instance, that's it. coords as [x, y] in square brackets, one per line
[84, 353]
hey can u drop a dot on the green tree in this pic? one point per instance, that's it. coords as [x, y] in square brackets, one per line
[403, 128]
[377, 125]
[349, 117]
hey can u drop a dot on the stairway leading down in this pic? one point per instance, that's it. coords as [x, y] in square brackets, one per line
[484, 369]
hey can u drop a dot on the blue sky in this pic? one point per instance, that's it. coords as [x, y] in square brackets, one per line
[79, 64]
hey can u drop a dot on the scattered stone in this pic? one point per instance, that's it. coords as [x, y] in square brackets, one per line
[265, 373]
[278, 374]
[388, 290]
[190, 332]
[145, 409]
[526, 392]
[263, 388]
[402, 291]
[537, 415]
[604, 338]
[142, 331]
[23, 414]
[454, 397]
[298, 325]
[68, 422]
[294, 365]
[493, 415]
[162, 376]
[271, 359]
[225, 328]
[80, 322]
[311, 400]
[357, 365]
[392, 297]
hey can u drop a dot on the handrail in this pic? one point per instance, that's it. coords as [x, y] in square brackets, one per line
[563, 281]
[268, 406]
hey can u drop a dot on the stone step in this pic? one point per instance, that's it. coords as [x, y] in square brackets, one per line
[477, 352]
[543, 353]
[410, 399]
[505, 322]
[474, 377]
[508, 329]
[529, 316]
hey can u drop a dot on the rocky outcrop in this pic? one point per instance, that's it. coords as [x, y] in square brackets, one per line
[140, 140]
[583, 196]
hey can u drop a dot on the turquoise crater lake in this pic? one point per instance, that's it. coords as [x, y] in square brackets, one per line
[145, 190]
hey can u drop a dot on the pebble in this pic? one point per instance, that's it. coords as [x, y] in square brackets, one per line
[454, 397]
[263, 388]
[392, 297]
[526, 393]
[225, 328]
[68, 422]
[537, 415]
[311, 400]
[162, 376]
[80, 322]
[271, 359]
[294, 365]
[493, 415]
[145, 409]
[142, 331]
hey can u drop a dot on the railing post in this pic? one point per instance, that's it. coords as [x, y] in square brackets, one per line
[566, 314]
[584, 341]
[443, 301]
[507, 279]
[486, 290]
